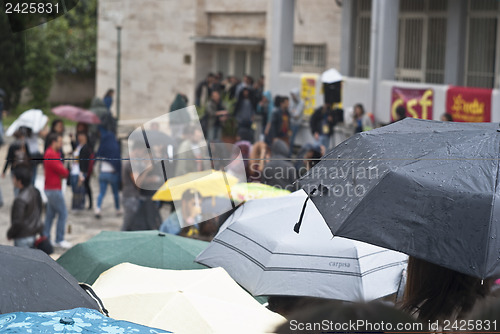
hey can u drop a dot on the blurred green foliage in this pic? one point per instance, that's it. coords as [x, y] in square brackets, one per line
[66, 44]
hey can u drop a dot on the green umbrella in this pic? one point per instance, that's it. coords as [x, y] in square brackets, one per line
[86, 261]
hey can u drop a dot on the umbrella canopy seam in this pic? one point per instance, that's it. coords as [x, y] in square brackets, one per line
[298, 254]
[321, 271]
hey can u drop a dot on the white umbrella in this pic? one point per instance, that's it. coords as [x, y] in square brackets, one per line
[33, 118]
[183, 301]
[259, 248]
[331, 76]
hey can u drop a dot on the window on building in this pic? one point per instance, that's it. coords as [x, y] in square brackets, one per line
[422, 41]
[482, 63]
[238, 60]
[362, 36]
[309, 57]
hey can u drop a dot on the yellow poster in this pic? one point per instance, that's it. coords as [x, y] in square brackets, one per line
[308, 84]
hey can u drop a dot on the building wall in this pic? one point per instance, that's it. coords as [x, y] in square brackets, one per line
[319, 22]
[157, 39]
[251, 25]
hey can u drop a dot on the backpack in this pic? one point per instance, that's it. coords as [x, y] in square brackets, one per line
[21, 157]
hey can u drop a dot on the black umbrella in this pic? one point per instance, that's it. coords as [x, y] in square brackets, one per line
[425, 188]
[30, 281]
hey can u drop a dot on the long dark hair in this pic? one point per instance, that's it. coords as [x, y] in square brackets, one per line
[438, 293]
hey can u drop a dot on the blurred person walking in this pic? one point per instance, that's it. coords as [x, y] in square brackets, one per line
[18, 155]
[279, 126]
[211, 120]
[80, 172]
[296, 115]
[108, 98]
[131, 191]
[26, 210]
[54, 173]
[110, 170]
[362, 121]
[322, 123]
[244, 111]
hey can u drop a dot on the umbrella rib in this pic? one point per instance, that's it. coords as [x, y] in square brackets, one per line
[292, 254]
[264, 268]
[389, 265]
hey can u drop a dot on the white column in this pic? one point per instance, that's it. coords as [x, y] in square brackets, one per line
[280, 43]
[383, 45]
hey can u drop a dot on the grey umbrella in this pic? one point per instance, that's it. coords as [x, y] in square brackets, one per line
[425, 188]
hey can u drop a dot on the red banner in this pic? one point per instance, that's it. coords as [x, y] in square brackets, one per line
[418, 102]
[467, 104]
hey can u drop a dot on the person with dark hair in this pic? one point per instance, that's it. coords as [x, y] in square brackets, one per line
[193, 153]
[110, 170]
[213, 112]
[279, 125]
[185, 220]
[244, 111]
[80, 172]
[362, 122]
[108, 98]
[296, 115]
[446, 117]
[322, 122]
[57, 126]
[436, 293]
[131, 191]
[18, 154]
[54, 173]
[204, 90]
[26, 210]
[178, 121]
[400, 113]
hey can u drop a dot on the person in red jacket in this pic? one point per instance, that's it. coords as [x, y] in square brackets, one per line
[54, 173]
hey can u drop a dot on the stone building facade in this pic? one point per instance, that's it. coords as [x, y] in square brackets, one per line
[168, 46]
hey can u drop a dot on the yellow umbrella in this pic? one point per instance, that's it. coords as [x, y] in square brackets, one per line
[183, 301]
[208, 183]
[248, 191]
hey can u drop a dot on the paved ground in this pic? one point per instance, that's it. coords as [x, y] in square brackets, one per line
[81, 226]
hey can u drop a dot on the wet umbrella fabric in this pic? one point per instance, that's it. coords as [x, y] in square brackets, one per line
[425, 188]
[78, 320]
[258, 247]
[32, 282]
[86, 261]
[76, 114]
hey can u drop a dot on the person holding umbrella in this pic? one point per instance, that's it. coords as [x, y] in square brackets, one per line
[185, 222]
[437, 293]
